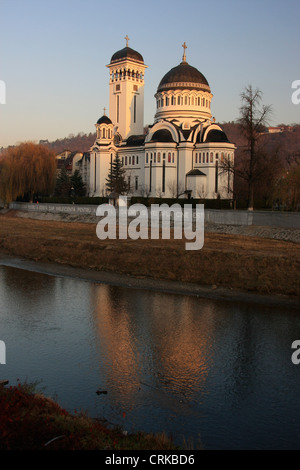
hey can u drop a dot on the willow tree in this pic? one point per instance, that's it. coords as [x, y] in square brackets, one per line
[26, 170]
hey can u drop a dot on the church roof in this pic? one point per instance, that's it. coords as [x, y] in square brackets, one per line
[162, 135]
[195, 172]
[104, 120]
[135, 140]
[183, 76]
[216, 135]
[127, 53]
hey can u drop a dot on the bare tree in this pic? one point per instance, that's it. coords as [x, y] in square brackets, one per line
[144, 190]
[253, 118]
[175, 189]
[172, 186]
[202, 192]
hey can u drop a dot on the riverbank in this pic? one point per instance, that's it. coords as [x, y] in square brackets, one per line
[31, 421]
[228, 266]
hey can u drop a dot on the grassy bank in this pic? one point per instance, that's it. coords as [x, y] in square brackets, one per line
[31, 421]
[248, 264]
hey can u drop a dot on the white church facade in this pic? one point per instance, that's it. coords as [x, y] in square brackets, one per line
[181, 153]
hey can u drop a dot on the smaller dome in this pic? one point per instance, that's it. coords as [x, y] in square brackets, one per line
[127, 53]
[135, 140]
[162, 135]
[216, 135]
[104, 120]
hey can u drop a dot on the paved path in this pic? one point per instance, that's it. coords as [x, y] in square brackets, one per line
[277, 233]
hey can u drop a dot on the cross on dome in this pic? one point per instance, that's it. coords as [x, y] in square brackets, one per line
[184, 48]
[127, 39]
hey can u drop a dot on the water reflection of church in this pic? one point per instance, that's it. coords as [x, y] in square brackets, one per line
[183, 149]
[177, 352]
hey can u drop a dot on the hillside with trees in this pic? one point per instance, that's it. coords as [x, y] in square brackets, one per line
[278, 177]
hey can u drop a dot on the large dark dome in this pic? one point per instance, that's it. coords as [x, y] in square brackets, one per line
[127, 53]
[183, 76]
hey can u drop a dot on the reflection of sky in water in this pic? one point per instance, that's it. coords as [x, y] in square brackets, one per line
[173, 363]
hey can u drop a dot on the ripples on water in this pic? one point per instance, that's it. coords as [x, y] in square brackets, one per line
[200, 369]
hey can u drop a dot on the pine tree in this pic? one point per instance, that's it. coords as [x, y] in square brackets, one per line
[116, 178]
[63, 183]
[77, 184]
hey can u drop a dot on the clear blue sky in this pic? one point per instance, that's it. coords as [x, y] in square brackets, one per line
[53, 56]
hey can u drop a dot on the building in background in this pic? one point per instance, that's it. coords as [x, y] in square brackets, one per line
[181, 154]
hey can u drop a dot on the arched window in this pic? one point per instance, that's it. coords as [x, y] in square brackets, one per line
[129, 160]
[126, 160]
[133, 159]
[211, 157]
[103, 133]
[137, 159]
[154, 157]
[196, 158]
[172, 157]
[178, 100]
[147, 158]
[167, 101]
[207, 157]
[169, 157]
[158, 157]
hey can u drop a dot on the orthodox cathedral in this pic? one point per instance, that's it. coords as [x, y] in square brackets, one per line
[180, 154]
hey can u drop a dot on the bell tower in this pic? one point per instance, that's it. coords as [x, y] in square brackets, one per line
[126, 91]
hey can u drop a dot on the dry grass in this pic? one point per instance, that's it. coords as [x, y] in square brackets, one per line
[31, 421]
[248, 264]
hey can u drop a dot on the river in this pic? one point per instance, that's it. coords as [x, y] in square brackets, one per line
[212, 374]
